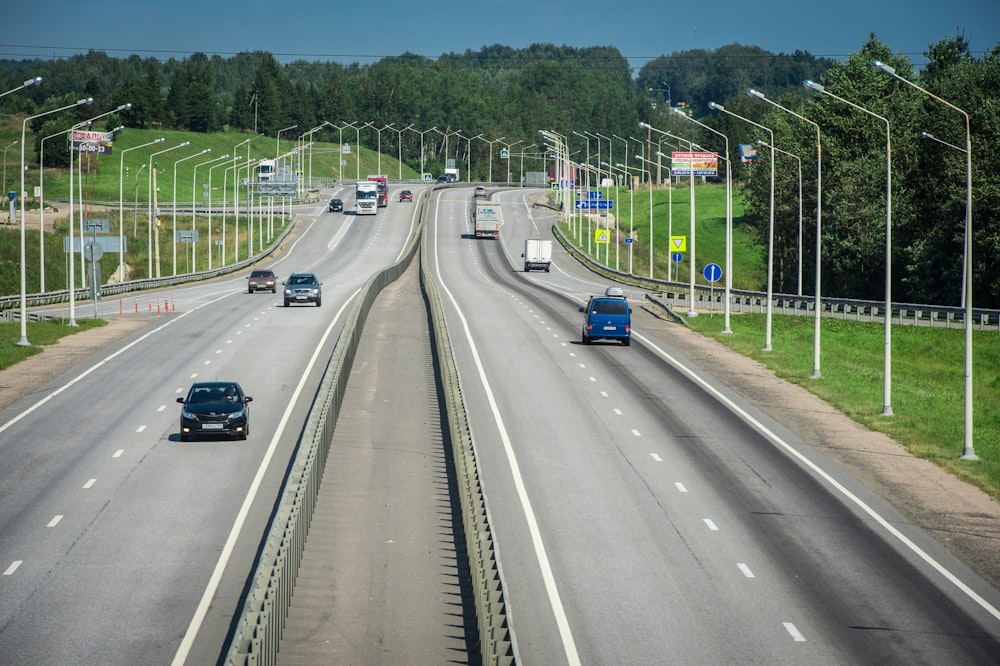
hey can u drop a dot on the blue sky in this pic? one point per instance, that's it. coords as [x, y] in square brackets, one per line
[362, 32]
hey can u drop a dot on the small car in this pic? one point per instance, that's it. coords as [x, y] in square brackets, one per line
[614, 292]
[405, 195]
[215, 408]
[443, 179]
[480, 192]
[303, 288]
[336, 206]
[261, 280]
[607, 318]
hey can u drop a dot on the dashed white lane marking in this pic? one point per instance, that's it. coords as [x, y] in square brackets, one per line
[13, 567]
[118, 453]
[680, 487]
[140, 428]
[636, 432]
[209, 362]
[618, 411]
[161, 408]
[90, 484]
[604, 394]
[55, 521]
[712, 526]
[745, 569]
[593, 379]
[655, 457]
[795, 634]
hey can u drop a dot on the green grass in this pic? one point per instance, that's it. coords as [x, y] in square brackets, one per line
[40, 334]
[101, 182]
[927, 388]
[749, 261]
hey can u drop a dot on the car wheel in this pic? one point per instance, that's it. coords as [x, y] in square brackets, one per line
[626, 342]
[250, 290]
[526, 268]
[185, 438]
[584, 339]
[286, 303]
[318, 301]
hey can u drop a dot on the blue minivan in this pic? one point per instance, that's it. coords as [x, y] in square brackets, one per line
[607, 318]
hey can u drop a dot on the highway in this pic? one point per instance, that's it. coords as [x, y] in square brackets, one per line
[112, 531]
[643, 513]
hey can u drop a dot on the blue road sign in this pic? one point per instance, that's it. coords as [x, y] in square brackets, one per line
[628, 239]
[595, 194]
[597, 204]
[712, 272]
[677, 257]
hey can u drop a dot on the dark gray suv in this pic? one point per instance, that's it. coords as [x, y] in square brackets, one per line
[303, 288]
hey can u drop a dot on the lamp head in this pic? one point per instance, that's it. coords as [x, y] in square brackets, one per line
[716, 107]
[85, 101]
[676, 110]
[645, 125]
[878, 64]
[755, 93]
[124, 107]
[926, 135]
[31, 82]
[812, 85]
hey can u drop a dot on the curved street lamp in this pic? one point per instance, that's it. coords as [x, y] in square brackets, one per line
[798, 161]
[29, 82]
[968, 452]
[149, 246]
[817, 309]
[121, 203]
[887, 352]
[770, 236]
[729, 222]
[23, 342]
[174, 236]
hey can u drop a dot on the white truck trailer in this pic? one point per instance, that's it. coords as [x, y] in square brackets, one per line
[537, 254]
[366, 198]
[487, 220]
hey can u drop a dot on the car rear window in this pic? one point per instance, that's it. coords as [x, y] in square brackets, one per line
[610, 307]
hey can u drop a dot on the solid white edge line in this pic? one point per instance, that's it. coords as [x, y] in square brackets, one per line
[836, 485]
[227, 550]
[565, 632]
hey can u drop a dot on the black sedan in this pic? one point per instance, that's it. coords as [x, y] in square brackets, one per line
[336, 205]
[215, 408]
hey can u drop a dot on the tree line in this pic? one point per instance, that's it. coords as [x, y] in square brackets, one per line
[505, 96]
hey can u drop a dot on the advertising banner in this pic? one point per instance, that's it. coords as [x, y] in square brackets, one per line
[696, 163]
[85, 141]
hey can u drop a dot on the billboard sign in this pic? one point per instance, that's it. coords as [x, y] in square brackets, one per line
[694, 163]
[85, 141]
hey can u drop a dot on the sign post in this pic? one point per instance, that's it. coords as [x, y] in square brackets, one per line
[712, 273]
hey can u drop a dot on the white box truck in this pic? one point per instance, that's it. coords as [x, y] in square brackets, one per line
[487, 220]
[366, 198]
[537, 254]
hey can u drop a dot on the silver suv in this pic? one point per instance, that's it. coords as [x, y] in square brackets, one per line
[303, 288]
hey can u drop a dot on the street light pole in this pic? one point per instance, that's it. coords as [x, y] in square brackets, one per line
[818, 307]
[29, 82]
[968, 452]
[770, 236]
[729, 222]
[149, 247]
[23, 342]
[173, 242]
[887, 351]
[798, 161]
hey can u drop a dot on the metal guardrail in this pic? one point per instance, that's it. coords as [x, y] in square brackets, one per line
[677, 295]
[10, 310]
[495, 638]
[262, 619]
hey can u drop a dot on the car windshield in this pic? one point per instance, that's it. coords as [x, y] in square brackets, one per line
[302, 279]
[261, 274]
[610, 307]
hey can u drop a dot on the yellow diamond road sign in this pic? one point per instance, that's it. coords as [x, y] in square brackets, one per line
[601, 236]
[678, 243]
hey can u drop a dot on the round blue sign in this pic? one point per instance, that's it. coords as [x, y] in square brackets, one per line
[713, 272]
[677, 257]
